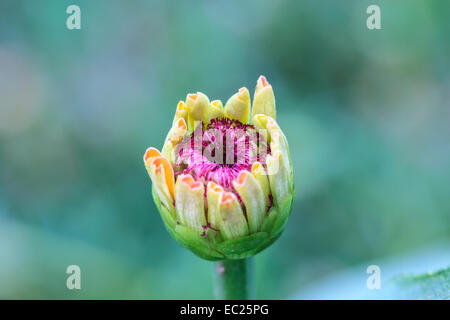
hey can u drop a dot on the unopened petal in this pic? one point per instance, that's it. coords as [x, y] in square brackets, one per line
[175, 135]
[162, 176]
[216, 110]
[252, 196]
[197, 106]
[260, 174]
[274, 136]
[213, 196]
[189, 203]
[264, 99]
[238, 106]
[149, 155]
[180, 112]
[278, 176]
[232, 222]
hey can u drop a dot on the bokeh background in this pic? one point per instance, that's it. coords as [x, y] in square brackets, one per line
[366, 114]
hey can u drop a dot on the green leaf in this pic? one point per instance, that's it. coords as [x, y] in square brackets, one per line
[423, 287]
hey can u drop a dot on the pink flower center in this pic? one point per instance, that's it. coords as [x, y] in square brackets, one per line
[219, 151]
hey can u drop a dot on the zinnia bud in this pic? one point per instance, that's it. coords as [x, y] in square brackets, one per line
[223, 182]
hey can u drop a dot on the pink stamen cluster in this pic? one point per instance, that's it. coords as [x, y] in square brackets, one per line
[220, 151]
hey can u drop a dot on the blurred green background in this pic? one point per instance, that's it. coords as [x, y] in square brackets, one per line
[366, 114]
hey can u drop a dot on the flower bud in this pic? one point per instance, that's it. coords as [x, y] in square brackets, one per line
[219, 196]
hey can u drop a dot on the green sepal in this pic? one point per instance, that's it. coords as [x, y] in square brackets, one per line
[291, 176]
[185, 236]
[194, 242]
[167, 217]
[284, 212]
[242, 247]
[156, 198]
[213, 236]
[212, 247]
[269, 220]
[269, 241]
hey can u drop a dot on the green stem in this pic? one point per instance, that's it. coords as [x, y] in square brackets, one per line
[233, 279]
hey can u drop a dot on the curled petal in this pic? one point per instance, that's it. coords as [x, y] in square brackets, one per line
[216, 110]
[238, 106]
[189, 203]
[175, 135]
[180, 112]
[149, 155]
[252, 196]
[197, 106]
[264, 99]
[161, 173]
[177, 132]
